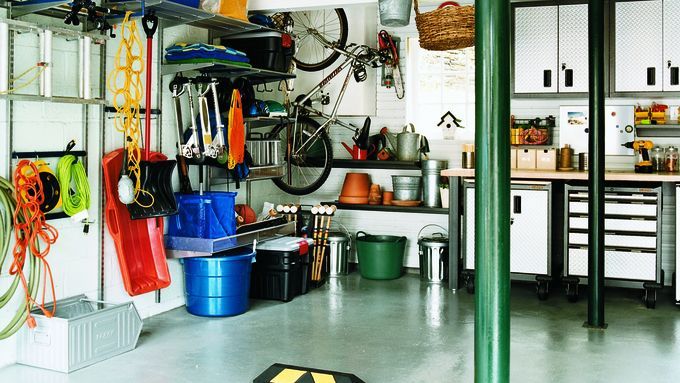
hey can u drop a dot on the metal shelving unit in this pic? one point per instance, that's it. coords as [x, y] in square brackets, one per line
[227, 71]
[369, 164]
[383, 208]
[666, 130]
[256, 174]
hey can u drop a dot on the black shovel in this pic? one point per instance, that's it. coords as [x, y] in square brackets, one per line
[156, 176]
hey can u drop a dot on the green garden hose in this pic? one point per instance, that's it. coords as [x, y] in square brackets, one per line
[7, 206]
[70, 172]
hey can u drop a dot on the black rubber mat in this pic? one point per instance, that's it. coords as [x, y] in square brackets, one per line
[282, 373]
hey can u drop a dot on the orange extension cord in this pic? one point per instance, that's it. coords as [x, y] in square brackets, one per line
[31, 232]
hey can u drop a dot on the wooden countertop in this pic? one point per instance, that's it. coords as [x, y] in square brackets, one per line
[610, 175]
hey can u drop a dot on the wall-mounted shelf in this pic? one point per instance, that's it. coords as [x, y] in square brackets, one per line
[666, 130]
[220, 70]
[263, 122]
[219, 176]
[370, 164]
[54, 99]
[391, 208]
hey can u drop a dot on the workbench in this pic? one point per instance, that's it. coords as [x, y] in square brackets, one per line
[456, 176]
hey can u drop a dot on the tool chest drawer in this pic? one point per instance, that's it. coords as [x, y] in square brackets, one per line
[634, 225]
[618, 264]
[617, 240]
[632, 233]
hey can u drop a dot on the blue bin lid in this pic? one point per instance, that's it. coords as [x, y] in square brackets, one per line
[230, 256]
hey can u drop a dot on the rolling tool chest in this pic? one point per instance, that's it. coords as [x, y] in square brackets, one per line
[530, 234]
[632, 238]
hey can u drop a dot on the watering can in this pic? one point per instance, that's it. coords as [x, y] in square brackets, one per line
[410, 145]
[358, 153]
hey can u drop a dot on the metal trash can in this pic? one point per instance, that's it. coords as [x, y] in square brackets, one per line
[431, 170]
[434, 256]
[338, 259]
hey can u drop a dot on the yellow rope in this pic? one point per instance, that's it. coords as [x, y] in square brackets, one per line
[41, 68]
[125, 83]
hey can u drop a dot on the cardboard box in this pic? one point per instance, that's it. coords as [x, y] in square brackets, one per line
[513, 158]
[546, 159]
[526, 159]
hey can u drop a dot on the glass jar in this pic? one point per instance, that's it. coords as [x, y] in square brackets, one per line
[672, 158]
[658, 159]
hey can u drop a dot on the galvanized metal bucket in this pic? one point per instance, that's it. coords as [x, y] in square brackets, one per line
[431, 179]
[407, 188]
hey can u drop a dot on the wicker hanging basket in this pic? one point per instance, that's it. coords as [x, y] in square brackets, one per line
[447, 27]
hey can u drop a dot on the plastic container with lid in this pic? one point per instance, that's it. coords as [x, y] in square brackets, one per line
[282, 269]
[658, 157]
[672, 159]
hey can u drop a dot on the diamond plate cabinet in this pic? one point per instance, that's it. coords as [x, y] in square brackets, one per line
[632, 239]
[530, 238]
[639, 45]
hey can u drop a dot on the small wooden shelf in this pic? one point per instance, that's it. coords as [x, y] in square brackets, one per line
[371, 164]
[393, 209]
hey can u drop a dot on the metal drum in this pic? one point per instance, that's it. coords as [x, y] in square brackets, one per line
[434, 256]
[338, 258]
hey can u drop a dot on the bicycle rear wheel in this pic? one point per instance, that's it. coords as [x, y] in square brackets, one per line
[308, 161]
[310, 54]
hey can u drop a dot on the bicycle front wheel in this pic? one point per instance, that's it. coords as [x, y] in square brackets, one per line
[331, 24]
[308, 155]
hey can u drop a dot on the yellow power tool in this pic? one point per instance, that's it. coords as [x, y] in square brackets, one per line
[644, 164]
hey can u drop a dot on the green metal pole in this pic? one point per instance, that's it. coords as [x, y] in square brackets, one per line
[596, 23]
[492, 193]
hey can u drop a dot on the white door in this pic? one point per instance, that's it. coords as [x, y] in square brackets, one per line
[529, 250]
[573, 48]
[639, 46]
[671, 48]
[536, 49]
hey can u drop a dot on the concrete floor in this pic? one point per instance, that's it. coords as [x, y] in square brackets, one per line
[395, 331]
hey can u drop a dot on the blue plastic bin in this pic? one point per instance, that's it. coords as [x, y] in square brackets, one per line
[218, 286]
[188, 3]
[210, 215]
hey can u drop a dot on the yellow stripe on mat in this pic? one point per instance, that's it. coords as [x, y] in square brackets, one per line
[322, 378]
[288, 375]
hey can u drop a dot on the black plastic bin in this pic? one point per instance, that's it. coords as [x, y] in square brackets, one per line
[270, 50]
[281, 269]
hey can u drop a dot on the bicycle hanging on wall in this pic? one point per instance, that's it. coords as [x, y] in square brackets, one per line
[321, 38]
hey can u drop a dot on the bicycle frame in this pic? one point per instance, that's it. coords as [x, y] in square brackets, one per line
[330, 119]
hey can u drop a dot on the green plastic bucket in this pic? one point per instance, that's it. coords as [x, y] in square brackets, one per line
[380, 256]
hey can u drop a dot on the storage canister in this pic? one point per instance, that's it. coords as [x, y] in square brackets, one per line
[264, 150]
[380, 256]
[338, 255]
[218, 286]
[672, 158]
[658, 159]
[434, 256]
[431, 170]
[395, 13]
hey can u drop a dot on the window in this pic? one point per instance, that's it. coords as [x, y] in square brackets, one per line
[438, 82]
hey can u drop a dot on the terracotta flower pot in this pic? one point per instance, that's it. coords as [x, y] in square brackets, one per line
[387, 198]
[375, 195]
[356, 185]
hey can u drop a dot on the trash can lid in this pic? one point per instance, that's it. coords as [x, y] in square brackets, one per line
[338, 236]
[436, 239]
[285, 244]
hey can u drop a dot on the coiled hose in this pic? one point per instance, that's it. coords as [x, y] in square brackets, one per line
[8, 205]
[70, 171]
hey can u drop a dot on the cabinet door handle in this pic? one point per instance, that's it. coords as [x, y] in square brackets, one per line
[651, 76]
[517, 204]
[569, 78]
[547, 78]
[675, 75]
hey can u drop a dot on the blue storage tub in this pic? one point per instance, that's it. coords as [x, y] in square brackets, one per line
[210, 215]
[188, 3]
[218, 286]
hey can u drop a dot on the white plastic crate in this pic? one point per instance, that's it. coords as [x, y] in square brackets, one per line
[82, 332]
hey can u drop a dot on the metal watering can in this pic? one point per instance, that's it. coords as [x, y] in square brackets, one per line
[410, 145]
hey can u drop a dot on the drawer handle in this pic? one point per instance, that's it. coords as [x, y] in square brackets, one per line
[547, 78]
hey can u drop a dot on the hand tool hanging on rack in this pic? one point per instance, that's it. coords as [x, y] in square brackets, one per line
[391, 66]
[96, 15]
[156, 176]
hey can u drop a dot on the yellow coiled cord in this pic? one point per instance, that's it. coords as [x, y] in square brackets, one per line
[125, 83]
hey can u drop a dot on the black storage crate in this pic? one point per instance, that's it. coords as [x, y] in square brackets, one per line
[264, 49]
[280, 275]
